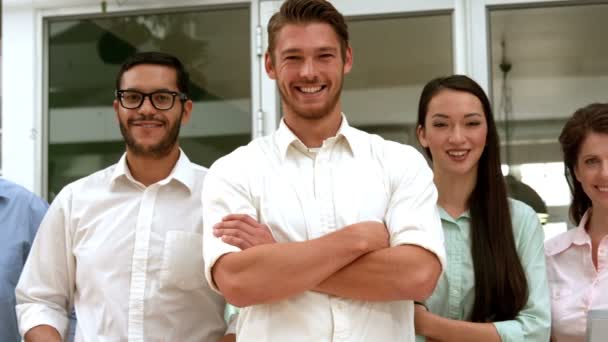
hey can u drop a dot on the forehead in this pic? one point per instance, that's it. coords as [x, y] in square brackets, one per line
[149, 77]
[595, 143]
[306, 36]
[455, 104]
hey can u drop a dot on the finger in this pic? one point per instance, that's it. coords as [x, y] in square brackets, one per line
[242, 217]
[234, 232]
[236, 224]
[230, 217]
[235, 241]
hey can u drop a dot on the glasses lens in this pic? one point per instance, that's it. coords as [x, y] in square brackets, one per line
[131, 99]
[162, 100]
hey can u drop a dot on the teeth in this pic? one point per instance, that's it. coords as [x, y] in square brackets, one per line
[310, 89]
[603, 188]
[457, 153]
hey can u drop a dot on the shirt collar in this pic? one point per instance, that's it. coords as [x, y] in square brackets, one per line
[284, 137]
[580, 236]
[182, 172]
[447, 217]
[4, 187]
[576, 236]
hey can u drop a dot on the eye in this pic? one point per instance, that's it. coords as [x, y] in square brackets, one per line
[131, 96]
[326, 56]
[591, 161]
[162, 97]
[473, 123]
[439, 124]
[292, 58]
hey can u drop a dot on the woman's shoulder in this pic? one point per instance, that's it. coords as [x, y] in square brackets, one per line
[559, 243]
[526, 223]
[521, 213]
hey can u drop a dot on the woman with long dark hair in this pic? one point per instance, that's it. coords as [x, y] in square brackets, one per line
[494, 287]
[577, 260]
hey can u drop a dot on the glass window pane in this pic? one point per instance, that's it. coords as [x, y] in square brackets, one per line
[85, 55]
[546, 63]
[394, 57]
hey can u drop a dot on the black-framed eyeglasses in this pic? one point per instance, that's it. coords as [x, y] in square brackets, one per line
[160, 99]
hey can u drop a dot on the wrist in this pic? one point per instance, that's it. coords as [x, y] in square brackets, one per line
[429, 325]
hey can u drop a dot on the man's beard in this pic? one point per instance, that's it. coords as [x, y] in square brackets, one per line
[312, 114]
[157, 151]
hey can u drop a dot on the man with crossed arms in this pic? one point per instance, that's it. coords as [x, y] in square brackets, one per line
[359, 236]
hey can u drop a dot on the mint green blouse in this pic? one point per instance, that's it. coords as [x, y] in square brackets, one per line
[455, 293]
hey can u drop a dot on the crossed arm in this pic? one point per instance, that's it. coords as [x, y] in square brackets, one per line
[355, 262]
[437, 328]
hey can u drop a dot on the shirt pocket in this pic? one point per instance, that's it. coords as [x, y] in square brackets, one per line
[182, 263]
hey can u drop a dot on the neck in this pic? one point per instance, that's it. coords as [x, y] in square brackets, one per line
[312, 132]
[149, 170]
[454, 191]
[597, 226]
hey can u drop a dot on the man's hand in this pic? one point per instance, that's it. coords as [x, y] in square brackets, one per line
[373, 233]
[242, 231]
[421, 320]
[228, 338]
[42, 333]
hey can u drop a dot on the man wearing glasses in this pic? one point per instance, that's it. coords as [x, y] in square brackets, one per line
[123, 246]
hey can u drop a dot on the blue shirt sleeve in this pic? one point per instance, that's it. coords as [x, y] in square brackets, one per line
[20, 214]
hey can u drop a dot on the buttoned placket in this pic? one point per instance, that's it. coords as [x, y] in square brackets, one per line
[601, 264]
[455, 234]
[324, 196]
[139, 265]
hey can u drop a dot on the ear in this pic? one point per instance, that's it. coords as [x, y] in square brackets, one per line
[421, 135]
[348, 59]
[269, 66]
[116, 106]
[187, 111]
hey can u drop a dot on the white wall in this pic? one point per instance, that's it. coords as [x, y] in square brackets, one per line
[20, 111]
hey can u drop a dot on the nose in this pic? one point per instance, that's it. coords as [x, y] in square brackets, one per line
[146, 106]
[456, 135]
[604, 170]
[308, 69]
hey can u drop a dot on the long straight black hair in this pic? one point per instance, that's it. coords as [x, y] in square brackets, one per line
[501, 288]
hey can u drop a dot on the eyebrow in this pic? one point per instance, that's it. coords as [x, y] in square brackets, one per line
[444, 116]
[157, 90]
[297, 50]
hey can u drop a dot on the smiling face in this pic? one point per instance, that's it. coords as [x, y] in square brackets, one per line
[591, 169]
[147, 131]
[455, 132]
[308, 68]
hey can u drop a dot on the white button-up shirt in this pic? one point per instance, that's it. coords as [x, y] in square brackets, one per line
[128, 256]
[303, 194]
[577, 286]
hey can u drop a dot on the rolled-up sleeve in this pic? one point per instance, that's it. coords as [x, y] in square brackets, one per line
[412, 216]
[45, 289]
[222, 197]
[533, 323]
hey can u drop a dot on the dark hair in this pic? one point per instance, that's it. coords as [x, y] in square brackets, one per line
[592, 118]
[157, 58]
[501, 288]
[307, 11]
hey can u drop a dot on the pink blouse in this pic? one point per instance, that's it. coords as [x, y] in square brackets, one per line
[576, 286]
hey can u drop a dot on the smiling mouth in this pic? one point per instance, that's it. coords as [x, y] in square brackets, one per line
[147, 124]
[311, 90]
[459, 154]
[602, 188]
